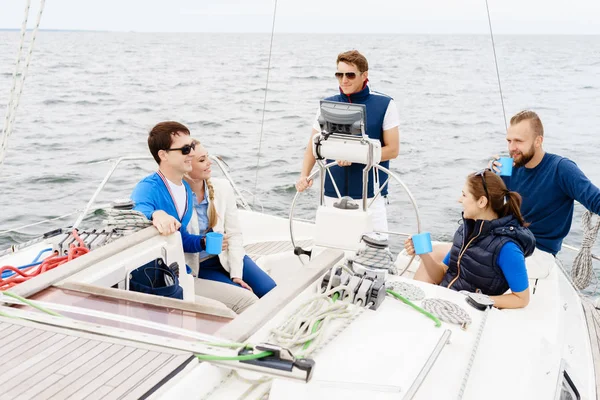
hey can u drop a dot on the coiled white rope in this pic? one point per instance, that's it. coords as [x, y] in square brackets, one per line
[15, 93]
[406, 290]
[126, 219]
[582, 271]
[300, 326]
[447, 311]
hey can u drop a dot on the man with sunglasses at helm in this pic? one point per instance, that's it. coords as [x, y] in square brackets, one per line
[382, 124]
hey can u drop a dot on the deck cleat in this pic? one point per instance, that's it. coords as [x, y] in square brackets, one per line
[378, 294]
[479, 301]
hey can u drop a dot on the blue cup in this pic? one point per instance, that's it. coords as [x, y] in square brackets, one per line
[422, 243]
[214, 242]
[507, 166]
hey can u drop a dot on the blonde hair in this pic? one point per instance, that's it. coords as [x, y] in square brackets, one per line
[527, 115]
[212, 212]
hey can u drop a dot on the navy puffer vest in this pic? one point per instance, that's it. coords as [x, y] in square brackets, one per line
[349, 179]
[473, 258]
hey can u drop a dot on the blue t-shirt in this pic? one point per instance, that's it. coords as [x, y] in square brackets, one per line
[548, 191]
[512, 263]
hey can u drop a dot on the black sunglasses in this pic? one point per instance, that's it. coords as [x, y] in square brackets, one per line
[482, 175]
[185, 150]
[349, 75]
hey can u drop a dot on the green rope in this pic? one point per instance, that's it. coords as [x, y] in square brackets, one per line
[419, 309]
[7, 315]
[29, 303]
[245, 357]
[335, 296]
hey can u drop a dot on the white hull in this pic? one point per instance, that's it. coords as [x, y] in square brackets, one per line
[384, 353]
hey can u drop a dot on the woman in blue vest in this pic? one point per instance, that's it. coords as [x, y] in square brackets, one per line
[489, 248]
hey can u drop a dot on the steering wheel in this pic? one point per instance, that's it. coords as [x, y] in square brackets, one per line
[300, 251]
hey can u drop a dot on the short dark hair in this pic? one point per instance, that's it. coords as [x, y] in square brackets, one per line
[353, 57]
[160, 137]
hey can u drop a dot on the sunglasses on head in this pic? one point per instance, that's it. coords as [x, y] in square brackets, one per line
[185, 150]
[482, 175]
[349, 75]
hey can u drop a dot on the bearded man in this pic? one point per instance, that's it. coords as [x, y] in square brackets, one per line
[548, 184]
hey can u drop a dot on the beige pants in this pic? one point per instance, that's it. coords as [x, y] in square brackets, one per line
[234, 297]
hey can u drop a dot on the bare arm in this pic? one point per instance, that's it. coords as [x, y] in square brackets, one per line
[435, 269]
[307, 165]
[391, 144]
[512, 300]
[309, 159]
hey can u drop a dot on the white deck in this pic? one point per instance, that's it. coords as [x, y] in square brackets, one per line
[381, 353]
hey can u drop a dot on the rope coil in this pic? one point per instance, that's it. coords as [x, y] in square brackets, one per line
[309, 320]
[126, 219]
[49, 263]
[582, 271]
[411, 292]
[447, 311]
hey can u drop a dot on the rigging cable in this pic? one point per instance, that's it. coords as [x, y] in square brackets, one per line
[262, 124]
[496, 62]
[15, 95]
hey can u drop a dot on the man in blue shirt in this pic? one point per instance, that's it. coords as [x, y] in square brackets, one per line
[548, 183]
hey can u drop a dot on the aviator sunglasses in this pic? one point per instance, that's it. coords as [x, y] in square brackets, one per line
[185, 150]
[349, 75]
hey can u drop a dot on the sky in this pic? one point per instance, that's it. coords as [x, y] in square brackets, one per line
[312, 16]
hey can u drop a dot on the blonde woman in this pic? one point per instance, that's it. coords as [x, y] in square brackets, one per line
[215, 210]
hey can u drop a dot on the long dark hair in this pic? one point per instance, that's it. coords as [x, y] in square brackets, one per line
[502, 201]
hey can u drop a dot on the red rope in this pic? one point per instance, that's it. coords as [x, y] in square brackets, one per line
[49, 263]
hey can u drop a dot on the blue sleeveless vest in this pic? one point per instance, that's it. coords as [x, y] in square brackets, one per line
[349, 179]
[477, 244]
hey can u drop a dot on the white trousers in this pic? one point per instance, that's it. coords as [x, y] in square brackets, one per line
[378, 208]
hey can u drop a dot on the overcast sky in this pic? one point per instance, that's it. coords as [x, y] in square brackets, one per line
[351, 16]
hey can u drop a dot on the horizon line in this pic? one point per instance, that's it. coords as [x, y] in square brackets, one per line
[311, 33]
